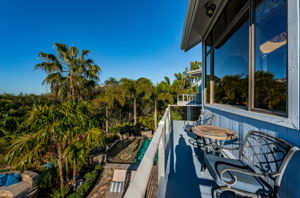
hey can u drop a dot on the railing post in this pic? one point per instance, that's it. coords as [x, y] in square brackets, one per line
[161, 148]
[161, 159]
[167, 123]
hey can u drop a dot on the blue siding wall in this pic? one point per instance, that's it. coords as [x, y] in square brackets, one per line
[290, 186]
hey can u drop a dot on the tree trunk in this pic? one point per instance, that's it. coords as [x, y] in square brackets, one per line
[72, 89]
[67, 169]
[134, 111]
[73, 94]
[60, 167]
[106, 121]
[74, 174]
[155, 114]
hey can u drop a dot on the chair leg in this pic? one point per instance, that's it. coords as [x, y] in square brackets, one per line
[193, 142]
[203, 167]
[217, 192]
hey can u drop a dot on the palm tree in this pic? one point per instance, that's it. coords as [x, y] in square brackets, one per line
[112, 95]
[77, 155]
[69, 71]
[232, 89]
[134, 89]
[195, 65]
[178, 76]
[167, 81]
[112, 82]
[180, 82]
[161, 93]
[51, 130]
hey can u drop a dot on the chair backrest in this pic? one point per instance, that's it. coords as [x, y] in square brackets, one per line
[206, 118]
[266, 154]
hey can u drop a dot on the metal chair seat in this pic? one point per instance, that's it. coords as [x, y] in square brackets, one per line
[258, 171]
[247, 183]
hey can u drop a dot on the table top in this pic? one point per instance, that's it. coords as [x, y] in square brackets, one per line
[214, 132]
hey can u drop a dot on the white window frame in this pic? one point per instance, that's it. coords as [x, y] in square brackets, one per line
[292, 120]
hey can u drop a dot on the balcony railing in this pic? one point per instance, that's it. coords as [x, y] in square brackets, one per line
[185, 99]
[138, 186]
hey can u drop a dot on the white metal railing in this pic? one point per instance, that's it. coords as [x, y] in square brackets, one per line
[138, 186]
[183, 99]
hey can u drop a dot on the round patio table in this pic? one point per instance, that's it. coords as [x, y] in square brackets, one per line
[214, 132]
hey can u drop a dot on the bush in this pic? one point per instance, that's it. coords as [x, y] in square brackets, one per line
[133, 129]
[90, 179]
[110, 138]
[45, 180]
[59, 193]
[48, 176]
[146, 122]
[4, 170]
[176, 113]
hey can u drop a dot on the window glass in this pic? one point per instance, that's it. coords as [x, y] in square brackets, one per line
[230, 11]
[231, 67]
[270, 83]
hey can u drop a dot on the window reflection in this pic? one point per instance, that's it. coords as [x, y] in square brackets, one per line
[231, 68]
[270, 55]
[207, 78]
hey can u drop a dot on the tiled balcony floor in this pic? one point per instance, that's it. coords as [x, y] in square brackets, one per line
[185, 178]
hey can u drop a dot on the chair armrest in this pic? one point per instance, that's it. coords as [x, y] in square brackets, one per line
[221, 147]
[246, 172]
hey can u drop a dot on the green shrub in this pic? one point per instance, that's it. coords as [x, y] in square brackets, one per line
[90, 179]
[143, 124]
[59, 193]
[176, 114]
[146, 121]
[98, 167]
[4, 170]
[48, 176]
[110, 138]
[45, 180]
[91, 176]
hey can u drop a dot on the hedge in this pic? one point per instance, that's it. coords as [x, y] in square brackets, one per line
[89, 181]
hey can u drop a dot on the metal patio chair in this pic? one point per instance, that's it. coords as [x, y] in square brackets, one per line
[258, 171]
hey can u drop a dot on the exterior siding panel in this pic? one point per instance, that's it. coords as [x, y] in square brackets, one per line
[291, 181]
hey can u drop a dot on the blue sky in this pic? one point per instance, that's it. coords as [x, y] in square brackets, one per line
[127, 38]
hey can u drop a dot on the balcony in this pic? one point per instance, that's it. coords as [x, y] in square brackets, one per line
[184, 164]
[186, 99]
[179, 163]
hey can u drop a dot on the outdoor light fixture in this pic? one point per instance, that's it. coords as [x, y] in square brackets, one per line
[210, 9]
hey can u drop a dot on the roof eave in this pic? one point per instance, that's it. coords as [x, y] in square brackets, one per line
[197, 23]
[191, 11]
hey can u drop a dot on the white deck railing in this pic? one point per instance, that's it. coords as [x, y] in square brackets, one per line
[138, 186]
[184, 99]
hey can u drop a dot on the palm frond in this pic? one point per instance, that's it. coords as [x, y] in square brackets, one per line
[84, 53]
[24, 149]
[73, 51]
[94, 137]
[48, 57]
